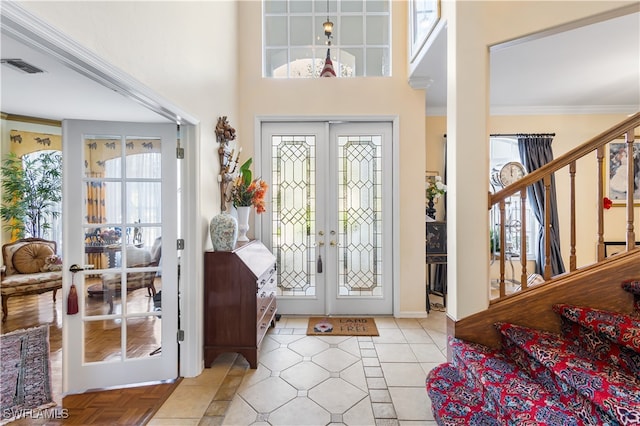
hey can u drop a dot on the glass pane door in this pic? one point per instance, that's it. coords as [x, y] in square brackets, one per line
[330, 223]
[117, 214]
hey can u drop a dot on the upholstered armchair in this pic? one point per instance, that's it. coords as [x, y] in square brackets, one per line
[27, 269]
[136, 258]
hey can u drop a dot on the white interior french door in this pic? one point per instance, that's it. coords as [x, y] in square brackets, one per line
[329, 222]
[120, 204]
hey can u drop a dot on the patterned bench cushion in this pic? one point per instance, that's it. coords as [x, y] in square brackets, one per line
[23, 283]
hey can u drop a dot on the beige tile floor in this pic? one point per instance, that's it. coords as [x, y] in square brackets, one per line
[325, 380]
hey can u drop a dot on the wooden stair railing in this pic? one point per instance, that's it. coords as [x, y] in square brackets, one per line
[625, 129]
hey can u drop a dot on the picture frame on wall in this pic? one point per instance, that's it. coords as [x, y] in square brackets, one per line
[612, 248]
[616, 182]
[423, 17]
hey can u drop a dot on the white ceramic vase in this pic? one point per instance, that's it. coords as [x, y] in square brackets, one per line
[243, 222]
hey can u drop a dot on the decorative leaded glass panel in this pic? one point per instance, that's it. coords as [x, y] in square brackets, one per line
[294, 211]
[360, 216]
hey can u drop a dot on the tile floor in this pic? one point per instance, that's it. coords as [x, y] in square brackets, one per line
[325, 380]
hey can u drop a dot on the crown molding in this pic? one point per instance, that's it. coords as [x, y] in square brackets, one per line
[441, 110]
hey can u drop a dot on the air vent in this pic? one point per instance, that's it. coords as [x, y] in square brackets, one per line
[21, 65]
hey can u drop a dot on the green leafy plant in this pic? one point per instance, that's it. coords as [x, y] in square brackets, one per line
[31, 191]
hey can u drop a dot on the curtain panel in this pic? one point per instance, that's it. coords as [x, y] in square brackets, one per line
[535, 152]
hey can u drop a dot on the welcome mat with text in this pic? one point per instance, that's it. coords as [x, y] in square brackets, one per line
[342, 326]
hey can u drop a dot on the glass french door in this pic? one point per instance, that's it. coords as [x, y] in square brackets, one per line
[119, 205]
[329, 220]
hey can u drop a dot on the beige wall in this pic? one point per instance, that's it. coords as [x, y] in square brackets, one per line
[570, 130]
[472, 27]
[185, 51]
[357, 97]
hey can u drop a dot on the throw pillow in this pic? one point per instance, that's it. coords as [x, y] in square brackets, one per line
[30, 258]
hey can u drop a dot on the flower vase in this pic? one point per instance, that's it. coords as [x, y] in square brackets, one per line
[224, 232]
[431, 211]
[243, 222]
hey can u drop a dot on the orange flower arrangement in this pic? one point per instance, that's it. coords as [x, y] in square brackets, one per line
[247, 192]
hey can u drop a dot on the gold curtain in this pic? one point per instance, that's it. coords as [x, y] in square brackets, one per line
[96, 213]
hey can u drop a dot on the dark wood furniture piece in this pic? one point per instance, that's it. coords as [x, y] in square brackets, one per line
[436, 254]
[239, 300]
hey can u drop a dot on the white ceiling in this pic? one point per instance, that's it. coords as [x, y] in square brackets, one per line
[591, 69]
[60, 92]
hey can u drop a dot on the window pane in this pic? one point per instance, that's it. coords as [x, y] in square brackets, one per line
[351, 6]
[319, 38]
[377, 5]
[301, 31]
[376, 62]
[377, 30]
[275, 6]
[351, 30]
[275, 63]
[144, 202]
[351, 62]
[302, 63]
[275, 30]
[357, 24]
[301, 6]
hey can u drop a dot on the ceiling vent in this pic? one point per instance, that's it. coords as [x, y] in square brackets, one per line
[21, 65]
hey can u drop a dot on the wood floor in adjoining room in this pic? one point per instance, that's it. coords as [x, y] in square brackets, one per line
[127, 406]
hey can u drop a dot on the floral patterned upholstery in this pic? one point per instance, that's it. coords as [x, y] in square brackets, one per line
[20, 253]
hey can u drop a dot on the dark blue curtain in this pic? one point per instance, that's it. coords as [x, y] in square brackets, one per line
[535, 152]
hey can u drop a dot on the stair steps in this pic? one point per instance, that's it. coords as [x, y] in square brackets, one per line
[608, 336]
[588, 375]
[614, 394]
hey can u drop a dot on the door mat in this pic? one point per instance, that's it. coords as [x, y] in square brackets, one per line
[25, 373]
[342, 326]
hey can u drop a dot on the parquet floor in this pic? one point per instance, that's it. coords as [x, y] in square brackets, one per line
[128, 406]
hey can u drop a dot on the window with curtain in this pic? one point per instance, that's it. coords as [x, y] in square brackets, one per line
[295, 46]
[502, 151]
[141, 201]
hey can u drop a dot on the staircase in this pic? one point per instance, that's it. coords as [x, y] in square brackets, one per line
[589, 373]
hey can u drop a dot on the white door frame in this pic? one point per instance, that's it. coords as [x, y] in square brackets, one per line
[39, 34]
[395, 211]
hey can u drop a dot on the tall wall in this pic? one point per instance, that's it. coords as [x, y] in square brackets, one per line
[473, 26]
[184, 51]
[361, 97]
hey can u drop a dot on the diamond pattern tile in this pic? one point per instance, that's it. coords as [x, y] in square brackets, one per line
[309, 346]
[334, 359]
[300, 411]
[269, 394]
[280, 359]
[336, 395]
[321, 380]
[305, 375]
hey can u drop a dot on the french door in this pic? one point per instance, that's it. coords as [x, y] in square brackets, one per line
[329, 222]
[119, 207]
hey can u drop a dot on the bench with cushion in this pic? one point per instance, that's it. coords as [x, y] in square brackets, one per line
[27, 270]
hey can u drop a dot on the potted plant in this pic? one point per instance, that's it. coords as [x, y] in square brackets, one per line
[31, 192]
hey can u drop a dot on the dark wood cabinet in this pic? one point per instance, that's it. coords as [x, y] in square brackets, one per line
[239, 300]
